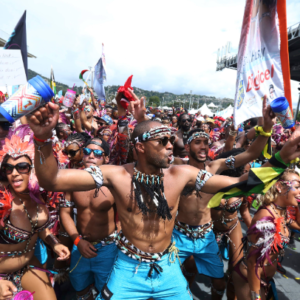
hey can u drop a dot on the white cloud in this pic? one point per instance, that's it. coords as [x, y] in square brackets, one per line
[167, 45]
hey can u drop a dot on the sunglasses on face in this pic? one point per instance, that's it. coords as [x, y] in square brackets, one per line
[105, 134]
[97, 153]
[22, 168]
[186, 120]
[87, 109]
[164, 141]
[72, 153]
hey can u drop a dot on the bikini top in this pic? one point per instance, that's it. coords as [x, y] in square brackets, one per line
[270, 239]
[232, 207]
[11, 234]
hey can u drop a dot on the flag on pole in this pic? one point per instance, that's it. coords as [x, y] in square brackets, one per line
[263, 67]
[100, 76]
[81, 76]
[18, 40]
[52, 81]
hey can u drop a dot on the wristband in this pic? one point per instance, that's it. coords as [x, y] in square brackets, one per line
[122, 117]
[42, 141]
[277, 161]
[260, 131]
[255, 296]
[77, 240]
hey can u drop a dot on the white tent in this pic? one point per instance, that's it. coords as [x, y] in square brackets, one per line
[205, 110]
[193, 111]
[226, 113]
[212, 105]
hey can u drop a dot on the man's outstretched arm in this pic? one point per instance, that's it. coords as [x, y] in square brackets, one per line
[50, 177]
[289, 152]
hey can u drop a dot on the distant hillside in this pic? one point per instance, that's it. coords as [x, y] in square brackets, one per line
[166, 98]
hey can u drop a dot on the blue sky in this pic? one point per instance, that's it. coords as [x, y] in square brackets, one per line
[168, 45]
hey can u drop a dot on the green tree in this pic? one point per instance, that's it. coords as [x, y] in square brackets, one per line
[154, 101]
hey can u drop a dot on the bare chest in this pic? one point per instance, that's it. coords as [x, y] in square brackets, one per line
[103, 201]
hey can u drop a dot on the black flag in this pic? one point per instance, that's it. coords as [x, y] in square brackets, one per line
[18, 40]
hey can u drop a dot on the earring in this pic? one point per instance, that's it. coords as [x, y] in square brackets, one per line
[279, 191]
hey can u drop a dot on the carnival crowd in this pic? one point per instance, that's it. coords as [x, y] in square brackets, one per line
[129, 201]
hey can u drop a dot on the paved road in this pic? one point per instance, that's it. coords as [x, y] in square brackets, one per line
[287, 288]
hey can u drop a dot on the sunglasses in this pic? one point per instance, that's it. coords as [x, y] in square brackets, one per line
[22, 168]
[164, 141]
[72, 153]
[97, 153]
[105, 134]
[186, 120]
[87, 109]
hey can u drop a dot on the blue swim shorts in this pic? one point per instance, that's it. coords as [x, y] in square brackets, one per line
[92, 270]
[205, 251]
[130, 279]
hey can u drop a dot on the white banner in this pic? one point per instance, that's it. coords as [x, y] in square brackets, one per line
[259, 67]
[11, 68]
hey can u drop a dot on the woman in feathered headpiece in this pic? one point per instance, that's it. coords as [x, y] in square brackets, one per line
[266, 239]
[23, 218]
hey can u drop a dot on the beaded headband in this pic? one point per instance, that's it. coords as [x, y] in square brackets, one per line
[80, 144]
[197, 135]
[153, 133]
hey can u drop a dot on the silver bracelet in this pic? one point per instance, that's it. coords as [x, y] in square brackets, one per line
[232, 132]
[230, 162]
[96, 174]
[201, 179]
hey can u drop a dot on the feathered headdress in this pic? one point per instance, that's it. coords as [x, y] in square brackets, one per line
[15, 148]
[18, 142]
[5, 205]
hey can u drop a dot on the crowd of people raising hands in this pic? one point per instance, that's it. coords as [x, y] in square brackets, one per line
[132, 202]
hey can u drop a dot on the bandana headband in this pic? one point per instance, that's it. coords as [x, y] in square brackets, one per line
[153, 133]
[197, 135]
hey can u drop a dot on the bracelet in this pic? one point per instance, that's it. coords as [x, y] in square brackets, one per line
[77, 240]
[232, 132]
[260, 131]
[230, 162]
[52, 240]
[42, 141]
[277, 161]
[39, 147]
[122, 117]
[255, 296]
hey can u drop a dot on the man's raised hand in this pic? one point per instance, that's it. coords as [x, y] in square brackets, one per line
[137, 107]
[43, 120]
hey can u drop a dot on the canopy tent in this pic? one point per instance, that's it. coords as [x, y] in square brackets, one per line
[226, 113]
[193, 111]
[212, 105]
[204, 110]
